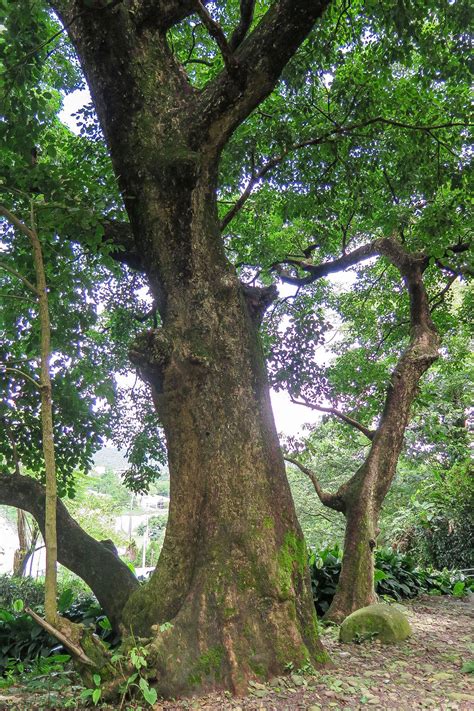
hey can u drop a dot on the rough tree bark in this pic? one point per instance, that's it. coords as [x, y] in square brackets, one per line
[232, 577]
[109, 578]
[361, 498]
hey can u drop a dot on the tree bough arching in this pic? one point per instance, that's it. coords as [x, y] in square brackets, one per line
[232, 577]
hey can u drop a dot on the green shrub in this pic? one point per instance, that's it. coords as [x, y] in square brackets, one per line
[396, 577]
[22, 640]
[27, 589]
[325, 567]
[436, 524]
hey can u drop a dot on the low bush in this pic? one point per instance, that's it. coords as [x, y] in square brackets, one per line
[396, 577]
[22, 640]
[29, 590]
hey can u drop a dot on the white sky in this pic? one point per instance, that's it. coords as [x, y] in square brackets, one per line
[290, 419]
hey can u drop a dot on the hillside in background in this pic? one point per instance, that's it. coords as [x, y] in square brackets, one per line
[110, 458]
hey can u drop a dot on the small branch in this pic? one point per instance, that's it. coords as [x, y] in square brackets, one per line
[390, 187]
[337, 413]
[332, 501]
[389, 332]
[19, 276]
[215, 30]
[319, 514]
[77, 651]
[438, 299]
[25, 375]
[18, 298]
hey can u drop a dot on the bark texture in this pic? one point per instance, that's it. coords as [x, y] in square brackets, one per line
[232, 579]
[361, 498]
[109, 578]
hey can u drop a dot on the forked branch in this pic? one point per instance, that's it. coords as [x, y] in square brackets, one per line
[247, 8]
[332, 501]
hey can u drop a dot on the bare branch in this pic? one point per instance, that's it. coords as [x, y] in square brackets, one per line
[23, 375]
[337, 413]
[77, 651]
[15, 221]
[438, 299]
[332, 501]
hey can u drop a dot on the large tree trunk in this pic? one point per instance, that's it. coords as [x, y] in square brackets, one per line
[232, 578]
[361, 498]
[364, 494]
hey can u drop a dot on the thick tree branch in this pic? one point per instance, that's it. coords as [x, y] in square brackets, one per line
[318, 271]
[332, 501]
[261, 57]
[164, 14]
[247, 8]
[337, 413]
[110, 579]
[215, 30]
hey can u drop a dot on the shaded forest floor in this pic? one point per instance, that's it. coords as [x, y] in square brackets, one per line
[424, 672]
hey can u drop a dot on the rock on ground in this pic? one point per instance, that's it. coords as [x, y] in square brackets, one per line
[382, 621]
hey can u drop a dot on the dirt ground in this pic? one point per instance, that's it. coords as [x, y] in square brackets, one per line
[424, 672]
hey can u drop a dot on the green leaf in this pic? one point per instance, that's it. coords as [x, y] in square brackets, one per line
[96, 694]
[149, 694]
[65, 599]
[18, 605]
[468, 667]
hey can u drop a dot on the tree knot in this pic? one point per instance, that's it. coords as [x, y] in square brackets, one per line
[150, 352]
[258, 299]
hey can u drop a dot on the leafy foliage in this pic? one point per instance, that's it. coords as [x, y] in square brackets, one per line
[22, 640]
[27, 589]
[437, 528]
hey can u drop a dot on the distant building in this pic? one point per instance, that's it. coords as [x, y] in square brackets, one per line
[153, 501]
[8, 545]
